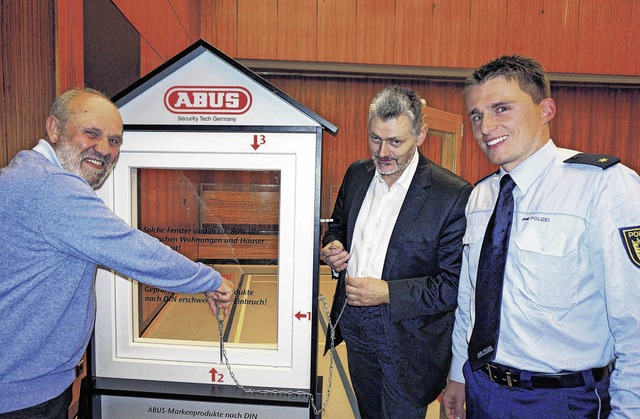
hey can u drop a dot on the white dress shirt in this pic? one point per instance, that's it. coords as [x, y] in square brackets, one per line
[375, 223]
[44, 148]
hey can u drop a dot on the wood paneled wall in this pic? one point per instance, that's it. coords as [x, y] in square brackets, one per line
[166, 27]
[27, 76]
[574, 36]
[599, 120]
[69, 45]
[589, 119]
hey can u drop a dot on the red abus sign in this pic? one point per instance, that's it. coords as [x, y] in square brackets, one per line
[208, 99]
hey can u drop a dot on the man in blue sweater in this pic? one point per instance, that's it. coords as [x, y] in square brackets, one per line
[55, 230]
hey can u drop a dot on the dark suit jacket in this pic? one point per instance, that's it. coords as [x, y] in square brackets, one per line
[422, 267]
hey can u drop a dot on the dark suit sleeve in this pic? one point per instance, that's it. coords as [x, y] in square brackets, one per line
[338, 227]
[435, 293]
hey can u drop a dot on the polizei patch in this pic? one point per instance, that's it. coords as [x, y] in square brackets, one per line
[631, 242]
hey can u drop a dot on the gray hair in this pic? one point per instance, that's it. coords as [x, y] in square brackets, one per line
[61, 107]
[393, 101]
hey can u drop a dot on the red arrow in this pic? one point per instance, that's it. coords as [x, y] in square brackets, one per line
[258, 140]
[213, 372]
[300, 315]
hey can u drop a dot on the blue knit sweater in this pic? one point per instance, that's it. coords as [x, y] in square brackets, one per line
[54, 231]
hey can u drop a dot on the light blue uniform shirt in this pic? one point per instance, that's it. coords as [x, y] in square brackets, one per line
[571, 298]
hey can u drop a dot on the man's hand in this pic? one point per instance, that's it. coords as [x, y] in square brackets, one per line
[366, 291]
[335, 256]
[221, 298]
[453, 400]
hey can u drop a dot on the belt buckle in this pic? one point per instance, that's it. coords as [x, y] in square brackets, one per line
[499, 379]
[491, 377]
[509, 381]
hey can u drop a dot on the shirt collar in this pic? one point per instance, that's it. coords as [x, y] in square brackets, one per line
[44, 148]
[528, 171]
[407, 175]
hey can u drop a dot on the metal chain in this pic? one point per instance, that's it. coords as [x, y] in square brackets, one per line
[331, 328]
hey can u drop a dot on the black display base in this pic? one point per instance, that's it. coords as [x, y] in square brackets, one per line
[178, 393]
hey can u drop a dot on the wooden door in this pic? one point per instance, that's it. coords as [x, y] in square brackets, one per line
[444, 138]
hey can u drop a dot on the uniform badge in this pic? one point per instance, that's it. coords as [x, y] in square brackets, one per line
[631, 242]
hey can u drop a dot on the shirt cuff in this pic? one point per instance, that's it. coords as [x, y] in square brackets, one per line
[455, 373]
[217, 281]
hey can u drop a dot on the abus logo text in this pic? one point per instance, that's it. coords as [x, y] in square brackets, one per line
[207, 99]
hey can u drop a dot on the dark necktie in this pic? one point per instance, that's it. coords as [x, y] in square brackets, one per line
[493, 256]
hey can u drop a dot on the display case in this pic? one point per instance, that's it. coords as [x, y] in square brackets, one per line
[225, 169]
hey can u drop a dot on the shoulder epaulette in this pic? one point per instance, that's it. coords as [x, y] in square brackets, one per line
[497, 172]
[601, 160]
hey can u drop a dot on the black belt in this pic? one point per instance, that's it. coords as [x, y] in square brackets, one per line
[510, 377]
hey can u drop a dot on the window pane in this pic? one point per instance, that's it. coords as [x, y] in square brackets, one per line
[228, 219]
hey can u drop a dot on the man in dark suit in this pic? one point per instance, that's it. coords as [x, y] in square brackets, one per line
[395, 244]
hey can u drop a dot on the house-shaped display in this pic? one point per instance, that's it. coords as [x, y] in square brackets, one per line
[224, 168]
